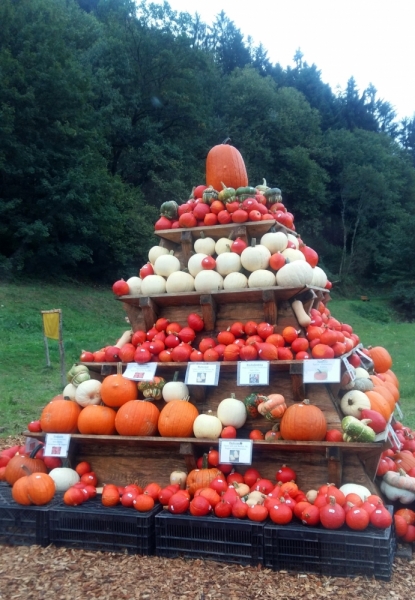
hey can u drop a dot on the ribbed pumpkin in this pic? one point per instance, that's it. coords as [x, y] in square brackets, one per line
[116, 390]
[387, 394]
[137, 417]
[40, 488]
[303, 422]
[379, 403]
[390, 376]
[382, 360]
[19, 491]
[200, 478]
[404, 460]
[393, 390]
[97, 420]
[224, 164]
[21, 466]
[60, 416]
[176, 419]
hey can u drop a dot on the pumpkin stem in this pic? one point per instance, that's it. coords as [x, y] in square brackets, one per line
[205, 464]
[226, 141]
[176, 376]
[253, 242]
[35, 450]
[119, 368]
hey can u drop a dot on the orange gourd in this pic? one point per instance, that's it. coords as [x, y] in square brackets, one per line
[303, 422]
[21, 466]
[380, 404]
[387, 394]
[391, 375]
[176, 419]
[97, 420]
[40, 488]
[393, 390]
[19, 491]
[224, 164]
[382, 360]
[137, 417]
[200, 478]
[60, 416]
[116, 390]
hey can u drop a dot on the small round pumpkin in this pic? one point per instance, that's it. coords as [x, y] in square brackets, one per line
[116, 390]
[225, 165]
[97, 420]
[176, 419]
[382, 360]
[40, 488]
[137, 417]
[60, 416]
[200, 478]
[303, 422]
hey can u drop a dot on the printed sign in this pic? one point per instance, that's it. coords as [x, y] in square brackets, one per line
[202, 373]
[255, 372]
[57, 444]
[237, 452]
[140, 372]
[321, 370]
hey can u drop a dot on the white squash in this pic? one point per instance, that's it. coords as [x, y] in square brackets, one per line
[302, 317]
[69, 391]
[275, 241]
[295, 274]
[180, 282]
[353, 402]
[208, 281]
[205, 245]
[134, 284]
[294, 239]
[194, 264]
[261, 279]
[155, 252]
[319, 277]
[232, 411]
[88, 393]
[207, 426]
[223, 245]
[175, 390]
[153, 284]
[166, 264]
[235, 281]
[255, 257]
[64, 478]
[361, 372]
[292, 254]
[228, 262]
[355, 488]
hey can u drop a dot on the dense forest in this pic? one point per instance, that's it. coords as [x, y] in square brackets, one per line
[109, 107]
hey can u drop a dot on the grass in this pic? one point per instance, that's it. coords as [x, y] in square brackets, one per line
[93, 318]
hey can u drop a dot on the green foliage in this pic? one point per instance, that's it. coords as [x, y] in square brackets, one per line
[402, 299]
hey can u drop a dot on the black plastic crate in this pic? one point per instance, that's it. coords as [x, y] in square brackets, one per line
[93, 526]
[22, 525]
[224, 540]
[336, 553]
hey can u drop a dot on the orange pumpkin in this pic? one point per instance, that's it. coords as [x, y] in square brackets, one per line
[224, 164]
[97, 420]
[382, 360]
[200, 478]
[176, 419]
[40, 488]
[19, 491]
[387, 394]
[393, 390]
[303, 422]
[380, 404]
[21, 466]
[391, 375]
[60, 416]
[137, 417]
[116, 390]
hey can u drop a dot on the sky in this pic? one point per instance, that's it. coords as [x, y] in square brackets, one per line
[370, 40]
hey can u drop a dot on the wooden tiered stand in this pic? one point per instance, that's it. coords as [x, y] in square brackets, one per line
[122, 460]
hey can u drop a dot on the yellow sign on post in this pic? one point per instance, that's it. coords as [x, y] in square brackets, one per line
[52, 329]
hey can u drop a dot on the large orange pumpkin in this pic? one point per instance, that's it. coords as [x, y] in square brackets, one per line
[40, 488]
[97, 420]
[137, 417]
[387, 394]
[116, 390]
[224, 164]
[60, 416]
[379, 403]
[200, 478]
[21, 466]
[303, 422]
[176, 419]
[382, 360]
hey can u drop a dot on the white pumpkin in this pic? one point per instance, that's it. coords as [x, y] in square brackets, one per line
[294, 239]
[361, 372]
[175, 390]
[223, 245]
[205, 245]
[294, 274]
[353, 402]
[166, 264]
[228, 262]
[255, 257]
[69, 391]
[261, 279]
[180, 282]
[355, 488]
[64, 478]
[88, 393]
[155, 252]
[207, 426]
[208, 281]
[194, 264]
[134, 284]
[153, 284]
[235, 281]
[232, 411]
[275, 241]
[292, 254]
[319, 278]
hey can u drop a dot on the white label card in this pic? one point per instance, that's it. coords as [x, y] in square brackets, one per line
[238, 452]
[255, 372]
[321, 370]
[202, 373]
[57, 444]
[140, 372]
[393, 438]
[398, 411]
[351, 371]
[30, 444]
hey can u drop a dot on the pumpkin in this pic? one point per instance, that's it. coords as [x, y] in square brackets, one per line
[255, 257]
[204, 245]
[382, 360]
[166, 264]
[40, 488]
[261, 279]
[379, 403]
[296, 274]
[232, 411]
[88, 393]
[275, 242]
[176, 419]
[155, 252]
[398, 486]
[208, 281]
[292, 254]
[137, 417]
[228, 262]
[153, 285]
[200, 478]
[355, 488]
[97, 420]
[116, 390]
[152, 389]
[180, 282]
[273, 408]
[319, 278]
[60, 416]
[225, 165]
[303, 422]
[19, 491]
[207, 426]
[134, 286]
[69, 392]
[175, 390]
[64, 478]
[235, 281]
[223, 245]
[353, 402]
[194, 264]
[21, 466]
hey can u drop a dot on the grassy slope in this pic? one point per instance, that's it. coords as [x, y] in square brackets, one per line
[93, 318]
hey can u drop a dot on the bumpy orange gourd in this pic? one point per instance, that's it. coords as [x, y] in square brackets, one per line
[97, 420]
[224, 164]
[137, 417]
[116, 390]
[382, 360]
[60, 416]
[176, 419]
[303, 422]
